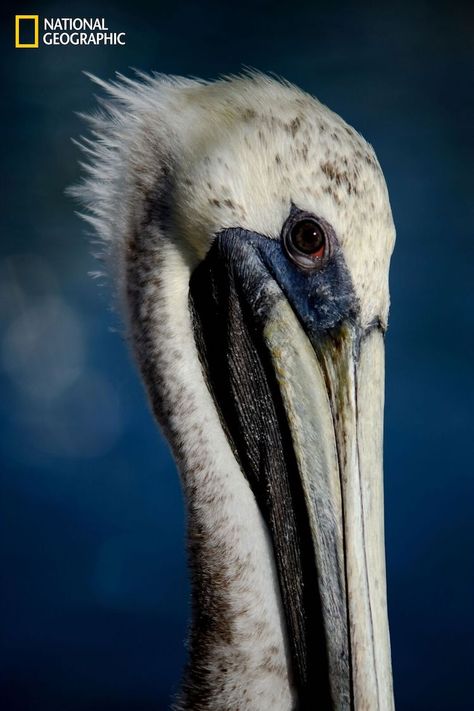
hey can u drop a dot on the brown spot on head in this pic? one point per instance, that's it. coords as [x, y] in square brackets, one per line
[304, 152]
[330, 191]
[249, 114]
[339, 177]
[370, 161]
[295, 126]
[329, 169]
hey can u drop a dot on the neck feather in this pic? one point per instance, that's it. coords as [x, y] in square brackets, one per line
[238, 653]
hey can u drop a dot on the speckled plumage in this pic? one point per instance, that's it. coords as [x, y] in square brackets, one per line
[171, 162]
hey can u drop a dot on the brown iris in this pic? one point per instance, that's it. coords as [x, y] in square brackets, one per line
[308, 237]
[305, 241]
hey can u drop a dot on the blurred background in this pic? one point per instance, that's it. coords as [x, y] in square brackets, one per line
[94, 589]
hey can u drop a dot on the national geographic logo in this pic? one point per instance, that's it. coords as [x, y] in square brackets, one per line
[26, 31]
[31, 32]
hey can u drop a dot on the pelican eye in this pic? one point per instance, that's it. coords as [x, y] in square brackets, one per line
[305, 242]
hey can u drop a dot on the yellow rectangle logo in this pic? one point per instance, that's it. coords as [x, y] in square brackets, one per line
[18, 20]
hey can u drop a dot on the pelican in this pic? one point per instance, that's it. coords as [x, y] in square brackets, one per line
[248, 232]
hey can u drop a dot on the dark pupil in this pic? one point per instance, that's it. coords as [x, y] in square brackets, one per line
[307, 237]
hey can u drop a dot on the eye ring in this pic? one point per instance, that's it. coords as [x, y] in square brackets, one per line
[306, 241]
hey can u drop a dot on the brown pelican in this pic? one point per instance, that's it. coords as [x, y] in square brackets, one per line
[249, 232]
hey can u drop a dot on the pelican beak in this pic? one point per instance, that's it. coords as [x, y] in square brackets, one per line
[303, 409]
[333, 397]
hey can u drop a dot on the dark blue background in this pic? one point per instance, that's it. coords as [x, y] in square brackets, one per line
[94, 584]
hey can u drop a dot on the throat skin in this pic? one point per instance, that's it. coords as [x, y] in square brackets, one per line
[238, 647]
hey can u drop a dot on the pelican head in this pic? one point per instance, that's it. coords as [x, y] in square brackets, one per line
[249, 233]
